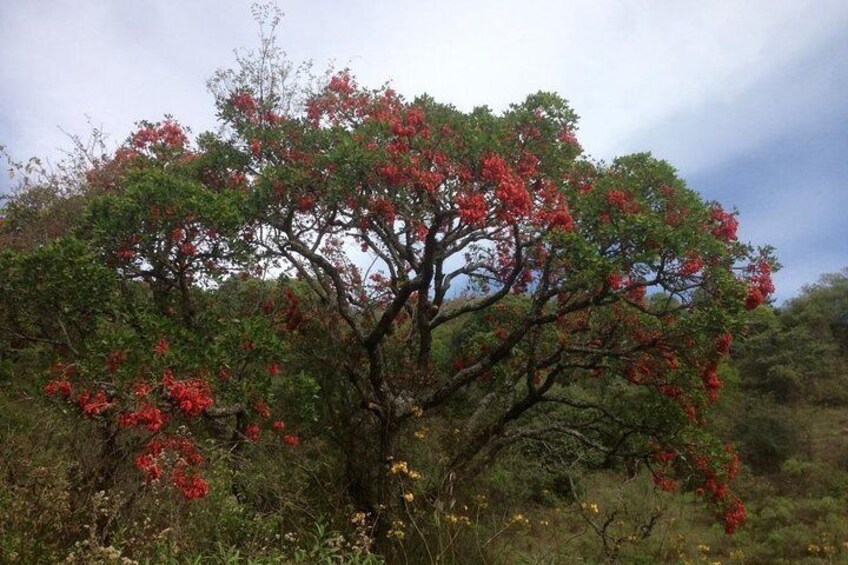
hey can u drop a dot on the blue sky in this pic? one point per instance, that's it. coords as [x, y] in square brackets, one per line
[746, 99]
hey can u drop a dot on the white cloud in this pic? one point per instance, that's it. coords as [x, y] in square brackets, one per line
[624, 65]
[697, 83]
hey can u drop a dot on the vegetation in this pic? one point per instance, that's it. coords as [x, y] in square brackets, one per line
[352, 328]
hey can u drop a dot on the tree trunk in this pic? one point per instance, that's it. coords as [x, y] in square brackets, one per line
[372, 447]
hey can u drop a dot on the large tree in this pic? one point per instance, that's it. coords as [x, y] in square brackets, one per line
[470, 267]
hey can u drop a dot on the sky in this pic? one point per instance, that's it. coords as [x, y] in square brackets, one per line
[747, 99]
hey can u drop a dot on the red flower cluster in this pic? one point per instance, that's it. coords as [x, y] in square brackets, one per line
[561, 220]
[661, 478]
[125, 254]
[251, 432]
[567, 136]
[715, 488]
[182, 454]
[414, 121]
[188, 248]
[338, 102]
[618, 199]
[169, 133]
[262, 409]
[616, 281]
[291, 440]
[723, 343]
[148, 416]
[305, 203]
[172, 135]
[384, 209]
[183, 447]
[724, 224]
[760, 285]
[692, 265]
[510, 190]
[192, 396]
[59, 386]
[734, 516]
[245, 103]
[554, 212]
[293, 315]
[712, 383]
[664, 456]
[664, 482]
[161, 348]
[93, 405]
[256, 148]
[472, 208]
[342, 83]
[146, 463]
[141, 389]
[191, 486]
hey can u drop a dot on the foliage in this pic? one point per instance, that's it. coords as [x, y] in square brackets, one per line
[346, 295]
[799, 352]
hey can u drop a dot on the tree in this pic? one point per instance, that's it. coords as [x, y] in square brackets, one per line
[799, 352]
[474, 268]
[503, 205]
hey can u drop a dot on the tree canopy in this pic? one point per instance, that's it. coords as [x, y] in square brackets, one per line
[474, 268]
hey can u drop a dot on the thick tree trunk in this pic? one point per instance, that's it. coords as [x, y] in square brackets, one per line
[372, 446]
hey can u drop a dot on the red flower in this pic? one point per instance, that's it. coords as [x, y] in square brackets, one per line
[125, 254]
[724, 224]
[618, 198]
[755, 298]
[665, 483]
[244, 102]
[734, 517]
[291, 440]
[93, 405]
[191, 486]
[149, 416]
[472, 208]
[616, 281]
[723, 343]
[188, 248]
[161, 348]
[147, 464]
[691, 266]
[760, 285]
[60, 387]
[252, 433]
[664, 456]
[262, 409]
[192, 396]
[510, 190]
[567, 136]
[561, 220]
[256, 148]
[711, 381]
[141, 389]
[342, 83]
[172, 134]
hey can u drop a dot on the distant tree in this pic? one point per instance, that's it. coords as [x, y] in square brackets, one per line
[823, 307]
[800, 352]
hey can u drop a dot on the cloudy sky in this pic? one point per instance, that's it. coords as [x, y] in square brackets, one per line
[747, 99]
